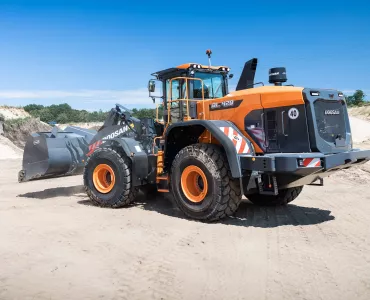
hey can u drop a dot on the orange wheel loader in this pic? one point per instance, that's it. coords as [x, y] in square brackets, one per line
[213, 146]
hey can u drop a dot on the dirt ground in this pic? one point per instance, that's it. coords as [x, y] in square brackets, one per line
[55, 245]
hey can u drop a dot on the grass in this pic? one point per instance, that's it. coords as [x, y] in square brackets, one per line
[17, 122]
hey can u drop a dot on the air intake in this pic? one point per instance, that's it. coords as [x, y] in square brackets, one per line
[277, 76]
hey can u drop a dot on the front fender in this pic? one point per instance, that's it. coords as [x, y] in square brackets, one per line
[137, 155]
[229, 136]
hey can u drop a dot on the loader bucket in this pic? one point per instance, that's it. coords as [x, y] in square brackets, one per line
[56, 153]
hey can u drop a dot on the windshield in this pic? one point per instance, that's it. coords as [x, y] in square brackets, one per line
[214, 86]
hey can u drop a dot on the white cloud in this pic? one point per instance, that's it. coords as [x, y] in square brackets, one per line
[132, 97]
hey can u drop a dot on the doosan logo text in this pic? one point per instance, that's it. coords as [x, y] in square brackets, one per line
[116, 133]
[332, 112]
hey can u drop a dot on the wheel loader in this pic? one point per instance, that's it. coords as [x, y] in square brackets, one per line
[212, 146]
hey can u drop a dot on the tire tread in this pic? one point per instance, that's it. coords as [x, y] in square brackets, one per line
[229, 197]
[128, 193]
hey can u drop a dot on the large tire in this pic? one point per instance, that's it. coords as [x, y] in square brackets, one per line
[202, 185]
[283, 198]
[107, 179]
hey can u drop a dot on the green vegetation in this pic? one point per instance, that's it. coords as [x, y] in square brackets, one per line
[16, 122]
[63, 113]
[147, 113]
[357, 99]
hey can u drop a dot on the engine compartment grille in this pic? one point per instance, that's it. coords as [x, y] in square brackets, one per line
[330, 119]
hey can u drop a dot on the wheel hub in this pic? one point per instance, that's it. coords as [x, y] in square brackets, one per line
[194, 184]
[104, 178]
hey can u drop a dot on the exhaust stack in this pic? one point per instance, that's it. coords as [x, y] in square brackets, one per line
[246, 80]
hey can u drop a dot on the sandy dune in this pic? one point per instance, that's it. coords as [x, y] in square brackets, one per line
[360, 130]
[8, 150]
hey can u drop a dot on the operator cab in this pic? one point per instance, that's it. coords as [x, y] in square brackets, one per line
[186, 85]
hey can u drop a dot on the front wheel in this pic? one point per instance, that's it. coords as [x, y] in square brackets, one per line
[107, 179]
[283, 198]
[202, 185]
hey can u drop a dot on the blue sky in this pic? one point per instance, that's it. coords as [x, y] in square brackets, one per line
[92, 54]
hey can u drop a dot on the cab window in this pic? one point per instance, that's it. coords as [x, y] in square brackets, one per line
[214, 85]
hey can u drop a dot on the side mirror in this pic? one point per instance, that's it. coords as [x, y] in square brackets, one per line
[151, 89]
[231, 76]
[151, 86]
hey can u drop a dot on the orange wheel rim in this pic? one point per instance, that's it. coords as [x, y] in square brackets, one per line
[104, 178]
[194, 184]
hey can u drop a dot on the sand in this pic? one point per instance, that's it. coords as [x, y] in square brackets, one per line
[8, 150]
[360, 129]
[55, 245]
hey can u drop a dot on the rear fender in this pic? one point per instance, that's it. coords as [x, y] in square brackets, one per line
[234, 143]
[133, 150]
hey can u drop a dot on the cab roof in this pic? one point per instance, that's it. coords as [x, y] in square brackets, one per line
[200, 66]
[190, 66]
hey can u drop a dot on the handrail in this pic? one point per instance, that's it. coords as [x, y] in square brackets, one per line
[154, 142]
[157, 114]
[185, 99]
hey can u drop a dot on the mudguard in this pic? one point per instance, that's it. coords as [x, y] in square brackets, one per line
[137, 155]
[229, 136]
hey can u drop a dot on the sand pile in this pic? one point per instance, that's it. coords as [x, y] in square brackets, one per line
[360, 130]
[13, 112]
[86, 125]
[19, 131]
[362, 112]
[8, 150]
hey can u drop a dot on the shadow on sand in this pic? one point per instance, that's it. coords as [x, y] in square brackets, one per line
[248, 215]
[55, 192]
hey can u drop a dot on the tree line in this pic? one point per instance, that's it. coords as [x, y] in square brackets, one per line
[64, 113]
[357, 99]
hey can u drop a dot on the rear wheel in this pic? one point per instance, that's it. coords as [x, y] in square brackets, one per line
[107, 179]
[202, 185]
[283, 198]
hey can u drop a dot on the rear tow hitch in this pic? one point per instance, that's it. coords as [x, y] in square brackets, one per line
[267, 184]
[315, 183]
